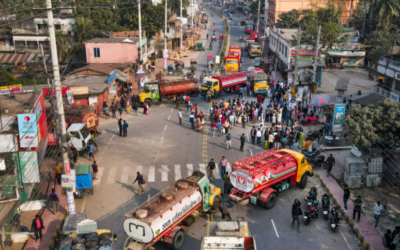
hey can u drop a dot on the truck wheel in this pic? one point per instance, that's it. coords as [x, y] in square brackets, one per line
[271, 201]
[302, 184]
[178, 240]
[148, 102]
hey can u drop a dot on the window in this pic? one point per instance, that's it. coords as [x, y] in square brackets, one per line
[42, 26]
[167, 29]
[31, 44]
[96, 52]
[57, 27]
[44, 44]
[20, 43]
[75, 134]
[397, 86]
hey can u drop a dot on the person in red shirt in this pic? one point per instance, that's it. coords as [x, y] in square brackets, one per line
[37, 226]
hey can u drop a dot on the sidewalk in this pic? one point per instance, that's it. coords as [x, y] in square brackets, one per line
[52, 223]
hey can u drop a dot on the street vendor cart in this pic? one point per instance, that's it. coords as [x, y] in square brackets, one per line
[200, 47]
[84, 185]
[193, 63]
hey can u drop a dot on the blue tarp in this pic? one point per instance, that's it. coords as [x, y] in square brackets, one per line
[84, 181]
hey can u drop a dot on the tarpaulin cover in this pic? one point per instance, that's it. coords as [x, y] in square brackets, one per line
[84, 181]
[82, 169]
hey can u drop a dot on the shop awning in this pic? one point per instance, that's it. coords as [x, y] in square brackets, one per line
[11, 58]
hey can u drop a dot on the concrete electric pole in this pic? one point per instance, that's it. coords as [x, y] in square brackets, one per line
[140, 34]
[165, 37]
[180, 21]
[296, 62]
[265, 26]
[258, 17]
[59, 100]
[316, 58]
[192, 14]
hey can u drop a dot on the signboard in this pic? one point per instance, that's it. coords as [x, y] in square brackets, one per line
[217, 59]
[27, 128]
[112, 77]
[80, 90]
[242, 180]
[338, 117]
[91, 120]
[138, 230]
[67, 168]
[290, 77]
[394, 97]
[112, 90]
[28, 162]
[70, 96]
[92, 100]
[87, 226]
[352, 46]
[165, 53]
[8, 143]
[69, 181]
[305, 54]
[11, 89]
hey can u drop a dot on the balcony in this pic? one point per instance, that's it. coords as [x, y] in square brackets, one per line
[393, 64]
[30, 32]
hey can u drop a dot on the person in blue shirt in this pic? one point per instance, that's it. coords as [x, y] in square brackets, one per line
[55, 201]
[219, 126]
[125, 129]
[228, 141]
[327, 127]
[91, 155]
[135, 108]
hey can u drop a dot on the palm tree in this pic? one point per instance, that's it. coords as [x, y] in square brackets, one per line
[83, 30]
[174, 5]
[63, 42]
[387, 9]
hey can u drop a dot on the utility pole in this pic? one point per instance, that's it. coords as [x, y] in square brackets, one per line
[165, 37]
[192, 14]
[180, 21]
[276, 54]
[258, 17]
[265, 25]
[365, 13]
[316, 57]
[296, 63]
[59, 101]
[140, 34]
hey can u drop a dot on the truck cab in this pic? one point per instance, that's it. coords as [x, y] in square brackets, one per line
[258, 81]
[151, 93]
[232, 61]
[210, 84]
[79, 136]
[255, 50]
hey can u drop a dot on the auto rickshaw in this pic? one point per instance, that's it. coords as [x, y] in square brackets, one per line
[247, 43]
[210, 61]
[257, 62]
[180, 64]
[170, 69]
[193, 63]
[200, 47]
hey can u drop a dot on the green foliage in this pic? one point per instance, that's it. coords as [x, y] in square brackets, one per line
[357, 18]
[386, 10]
[253, 8]
[5, 77]
[63, 43]
[382, 40]
[374, 124]
[26, 81]
[174, 5]
[289, 20]
[83, 30]
[330, 32]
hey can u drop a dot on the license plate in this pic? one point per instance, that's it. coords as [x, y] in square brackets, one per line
[305, 217]
[325, 212]
[333, 225]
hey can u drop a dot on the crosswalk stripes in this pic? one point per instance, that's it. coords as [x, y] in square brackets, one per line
[99, 175]
[111, 176]
[217, 174]
[152, 171]
[125, 175]
[164, 173]
[202, 168]
[178, 172]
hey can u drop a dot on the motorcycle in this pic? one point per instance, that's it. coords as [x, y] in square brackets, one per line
[210, 47]
[313, 134]
[314, 158]
[335, 217]
[371, 77]
[312, 196]
[325, 206]
[214, 38]
[312, 213]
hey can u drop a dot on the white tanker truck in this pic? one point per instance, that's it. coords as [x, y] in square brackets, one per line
[160, 216]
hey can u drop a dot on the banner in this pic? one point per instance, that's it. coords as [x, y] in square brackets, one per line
[27, 128]
[305, 54]
[11, 89]
[28, 161]
[70, 97]
[338, 117]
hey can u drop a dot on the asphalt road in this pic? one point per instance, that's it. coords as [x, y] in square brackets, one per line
[164, 151]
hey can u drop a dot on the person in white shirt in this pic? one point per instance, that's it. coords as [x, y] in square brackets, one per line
[259, 134]
[180, 117]
[378, 212]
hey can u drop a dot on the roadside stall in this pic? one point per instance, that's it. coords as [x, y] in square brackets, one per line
[84, 185]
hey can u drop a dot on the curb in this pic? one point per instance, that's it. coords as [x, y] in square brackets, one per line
[52, 244]
[336, 148]
[349, 221]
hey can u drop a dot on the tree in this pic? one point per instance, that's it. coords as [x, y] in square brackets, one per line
[83, 30]
[289, 20]
[371, 125]
[63, 43]
[386, 10]
[382, 40]
[5, 77]
[357, 18]
[330, 32]
[174, 5]
[253, 8]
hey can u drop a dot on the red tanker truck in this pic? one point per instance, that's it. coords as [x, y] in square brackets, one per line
[261, 177]
[168, 90]
[229, 81]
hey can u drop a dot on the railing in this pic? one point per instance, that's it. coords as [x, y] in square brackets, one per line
[29, 32]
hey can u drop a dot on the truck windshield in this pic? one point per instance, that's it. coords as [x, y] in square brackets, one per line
[231, 62]
[249, 26]
[84, 132]
[261, 82]
[255, 47]
[207, 84]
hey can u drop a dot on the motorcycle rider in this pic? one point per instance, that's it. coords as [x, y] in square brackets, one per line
[210, 45]
[296, 212]
[370, 75]
[314, 144]
[207, 36]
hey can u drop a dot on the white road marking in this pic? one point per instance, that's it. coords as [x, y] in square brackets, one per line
[99, 175]
[152, 173]
[169, 117]
[125, 175]
[165, 129]
[190, 169]
[202, 168]
[251, 152]
[162, 137]
[345, 239]
[228, 168]
[178, 174]
[217, 174]
[83, 205]
[172, 109]
[164, 173]
[111, 175]
[273, 224]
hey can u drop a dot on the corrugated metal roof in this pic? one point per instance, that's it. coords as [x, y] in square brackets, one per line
[9, 58]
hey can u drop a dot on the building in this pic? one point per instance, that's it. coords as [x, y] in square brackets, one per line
[173, 33]
[115, 50]
[276, 7]
[389, 79]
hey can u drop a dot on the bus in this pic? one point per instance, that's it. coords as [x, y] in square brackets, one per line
[250, 27]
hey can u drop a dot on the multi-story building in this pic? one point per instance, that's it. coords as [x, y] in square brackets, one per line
[389, 81]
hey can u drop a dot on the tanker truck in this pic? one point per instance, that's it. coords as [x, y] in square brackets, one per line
[229, 81]
[160, 218]
[260, 178]
[168, 90]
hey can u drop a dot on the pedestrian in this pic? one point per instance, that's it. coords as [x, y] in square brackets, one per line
[224, 210]
[357, 208]
[113, 109]
[228, 141]
[330, 163]
[95, 168]
[91, 154]
[240, 92]
[253, 134]
[277, 140]
[180, 116]
[54, 199]
[141, 182]
[191, 120]
[125, 128]
[107, 112]
[242, 141]
[327, 127]
[189, 105]
[120, 110]
[120, 126]
[296, 212]
[271, 140]
[244, 120]
[258, 135]
[387, 239]
[135, 109]
[378, 211]
[211, 167]
[225, 178]
[346, 196]
[58, 172]
[37, 226]
[395, 237]
[223, 163]
[74, 153]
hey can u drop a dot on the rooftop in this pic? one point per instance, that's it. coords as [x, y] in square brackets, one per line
[95, 84]
[285, 33]
[114, 40]
[101, 68]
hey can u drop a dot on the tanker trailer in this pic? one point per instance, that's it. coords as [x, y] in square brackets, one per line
[168, 90]
[159, 218]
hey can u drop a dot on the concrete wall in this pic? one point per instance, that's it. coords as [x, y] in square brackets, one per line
[112, 52]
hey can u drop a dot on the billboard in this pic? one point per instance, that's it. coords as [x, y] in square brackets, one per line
[11, 89]
[305, 54]
[28, 161]
[338, 117]
[28, 130]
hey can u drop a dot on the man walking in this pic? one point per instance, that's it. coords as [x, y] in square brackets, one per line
[277, 140]
[242, 141]
[357, 208]
[180, 117]
[191, 120]
[211, 167]
[378, 211]
[330, 163]
[95, 168]
[327, 127]
[228, 141]
[296, 212]
[37, 226]
[346, 196]
[224, 210]
[240, 93]
[141, 182]
[253, 134]
[244, 120]
[91, 154]
[135, 108]
[120, 110]
[54, 199]
[125, 128]
[120, 126]
[223, 163]
[259, 134]
[58, 172]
